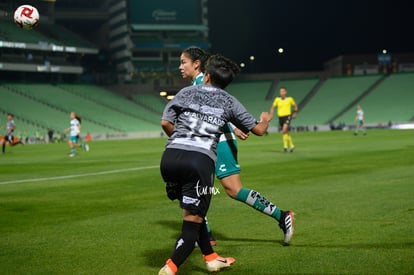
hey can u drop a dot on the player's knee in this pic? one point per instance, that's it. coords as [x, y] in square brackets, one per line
[189, 217]
[231, 193]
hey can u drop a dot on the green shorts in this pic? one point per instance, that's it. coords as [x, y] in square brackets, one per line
[74, 139]
[226, 164]
[360, 122]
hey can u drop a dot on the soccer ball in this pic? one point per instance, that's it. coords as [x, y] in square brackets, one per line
[26, 17]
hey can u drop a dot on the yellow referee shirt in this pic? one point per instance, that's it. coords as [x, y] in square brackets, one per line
[284, 106]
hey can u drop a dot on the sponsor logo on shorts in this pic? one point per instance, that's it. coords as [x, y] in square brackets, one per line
[189, 200]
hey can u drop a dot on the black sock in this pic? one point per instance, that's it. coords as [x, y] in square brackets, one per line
[204, 240]
[4, 147]
[186, 242]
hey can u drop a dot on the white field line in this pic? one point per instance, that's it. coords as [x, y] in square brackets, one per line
[80, 175]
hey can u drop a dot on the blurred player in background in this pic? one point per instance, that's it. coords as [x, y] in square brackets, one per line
[360, 119]
[75, 128]
[227, 167]
[9, 136]
[284, 105]
[193, 121]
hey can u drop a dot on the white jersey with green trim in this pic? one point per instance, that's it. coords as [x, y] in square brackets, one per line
[360, 115]
[74, 127]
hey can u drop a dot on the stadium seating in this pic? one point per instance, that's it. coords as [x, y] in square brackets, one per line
[110, 119]
[149, 65]
[392, 101]
[38, 114]
[10, 32]
[151, 102]
[297, 88]
[40, 106]
[332, 98]
[113, 101]
[64, 36]
[22, 125]
[44, 33]
[252, 94]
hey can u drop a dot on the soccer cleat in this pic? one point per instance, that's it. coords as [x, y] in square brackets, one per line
[72, 155]
[292, 149]
[218, 262]
[286, 223]
[285, 150]
[87, 147]
[168, 269]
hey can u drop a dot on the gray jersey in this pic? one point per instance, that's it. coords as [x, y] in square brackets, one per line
[199, 114]
[10, 126]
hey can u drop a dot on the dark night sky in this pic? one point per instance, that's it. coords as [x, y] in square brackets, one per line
[311, 32]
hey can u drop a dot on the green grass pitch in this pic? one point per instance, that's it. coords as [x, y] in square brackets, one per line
[106, 212]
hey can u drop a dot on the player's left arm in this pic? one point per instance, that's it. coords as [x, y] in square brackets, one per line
[295, 109]
[167, 126]
[239, 133]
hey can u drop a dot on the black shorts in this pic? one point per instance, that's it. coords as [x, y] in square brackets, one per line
[9, 138]
[189, 177]
[284, 120]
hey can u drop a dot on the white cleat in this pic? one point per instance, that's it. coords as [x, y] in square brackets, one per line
[219, 263]
[166, 270]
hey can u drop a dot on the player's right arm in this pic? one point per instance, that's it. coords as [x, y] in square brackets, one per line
[169, 115]
[272, 108]
[261, 127]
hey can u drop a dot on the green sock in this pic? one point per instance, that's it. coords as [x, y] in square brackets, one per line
[258, 202]
[73, 151]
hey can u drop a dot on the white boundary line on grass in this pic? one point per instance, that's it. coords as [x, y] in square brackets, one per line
[79, 175]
